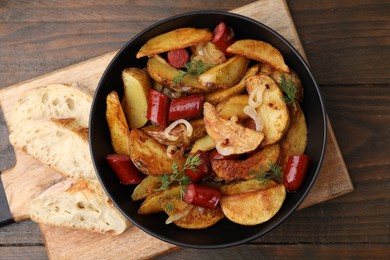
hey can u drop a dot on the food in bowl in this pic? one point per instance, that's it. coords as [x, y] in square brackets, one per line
[212, 127]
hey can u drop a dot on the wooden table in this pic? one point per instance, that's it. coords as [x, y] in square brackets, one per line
[348, 46]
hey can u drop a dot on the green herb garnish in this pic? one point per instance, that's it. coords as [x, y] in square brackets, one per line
[274, 172]
[177, 177]
[288, 87]
[193, 67]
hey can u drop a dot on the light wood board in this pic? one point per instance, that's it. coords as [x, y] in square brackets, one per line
[333, 179]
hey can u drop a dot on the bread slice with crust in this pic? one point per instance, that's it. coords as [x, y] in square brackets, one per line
[57, 143]
[78, 204]
[52, 101]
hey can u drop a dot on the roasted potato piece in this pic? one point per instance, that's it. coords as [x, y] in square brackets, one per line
[136, 84]
[273, 110]
[295, 140]
[228, 136]
[237, 187]
[230, 169]
[116, 120]
[199, 218]
[233, 106]
[253, 207]
[226, 74]
[175, 39]
[219, 95]
[160, 70]
[259, 51]
[157, 132]
[149, 156]
[208, 53]
[145, 188]
[205, 143]
[154, 202]
[277, 76]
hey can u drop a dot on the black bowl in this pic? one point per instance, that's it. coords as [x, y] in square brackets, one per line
[224, 233]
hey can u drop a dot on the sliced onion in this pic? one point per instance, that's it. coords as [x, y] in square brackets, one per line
[178, 215]
[171, 151]
[256, 96]
[252, 113]
[224, 150]
[188, 131]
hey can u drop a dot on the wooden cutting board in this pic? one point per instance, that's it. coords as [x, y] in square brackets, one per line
[333, 179]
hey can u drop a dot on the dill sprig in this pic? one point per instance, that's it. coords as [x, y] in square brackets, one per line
[273, 172]
[193, 67]
[177, 177]
[288, 87]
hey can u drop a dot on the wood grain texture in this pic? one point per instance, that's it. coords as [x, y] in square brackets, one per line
[346, 36]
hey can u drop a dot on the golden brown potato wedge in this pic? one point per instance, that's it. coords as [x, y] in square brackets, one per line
[154, 202]
[136, 84]
[273, 111]
[259, 51]
[233, 106]
[173, 40]
[219, 95]
[208, 53]
[237, 187]
[160, 70]
[229, 137]
[253, 207]
[199, 218]
[230, 169]
[145, 188]
[116, 120]
[157, 132]
[292, 77]
[149, 156]
[295, 139]
[226, 74]
[205, 143]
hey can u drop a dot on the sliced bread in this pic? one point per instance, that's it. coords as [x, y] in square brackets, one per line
[56, 143]
[52, 101]
[79, 204]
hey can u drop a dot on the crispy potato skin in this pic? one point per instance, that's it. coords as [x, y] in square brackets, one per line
[116, 120]
[259, 51]
[157, 132]
[253, 207]
[295, 140]
[241, 186]
[239, 169]
[175, 39]
[149, 156]
[145, 188]
[200, 218]
[233, 106]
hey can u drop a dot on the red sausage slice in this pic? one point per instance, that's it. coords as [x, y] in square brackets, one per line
[295, 171]
[158, 107]
[202, 196]
[223, 37]
[186, 107]
[201, 170]
[178, 58]
[124, 169]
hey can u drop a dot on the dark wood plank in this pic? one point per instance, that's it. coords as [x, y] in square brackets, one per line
[22, 233]
[346, 41]
[21, 253]
[340, 251]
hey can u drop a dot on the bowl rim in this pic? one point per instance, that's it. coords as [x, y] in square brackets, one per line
[317, 89]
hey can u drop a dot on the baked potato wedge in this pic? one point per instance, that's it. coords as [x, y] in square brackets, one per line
[145, 188]
[233, 106]
[231, 169]
[175, 39]
[163, 73]
[154, 202]
[226, 74]
[273, 111]
[229, 137]
[116, 120]
[136, 83]
[253, 207]
[157, 132]
[205, 143]
[259, 51]
[237, 187]
[295, 140]
[199, 218]
[221, 94]
[292, 77]
[149, 156]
